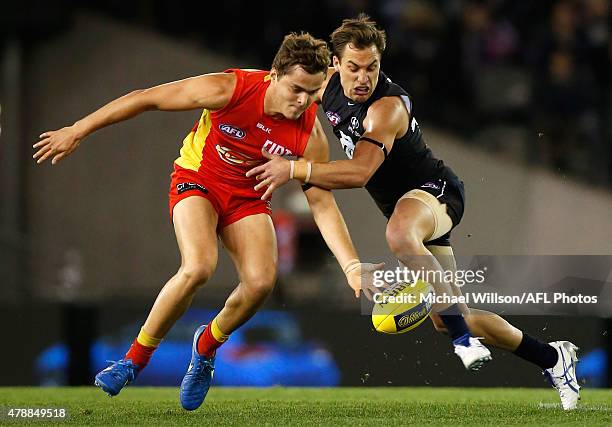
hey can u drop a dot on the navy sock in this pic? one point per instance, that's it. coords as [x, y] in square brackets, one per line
[535, 351]
[455, 323]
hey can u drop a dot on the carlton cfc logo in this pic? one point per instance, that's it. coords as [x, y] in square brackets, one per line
[232, 131]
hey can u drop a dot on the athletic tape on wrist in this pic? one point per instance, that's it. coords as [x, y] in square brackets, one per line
[292, 168]
[300, 170]
[308, 173]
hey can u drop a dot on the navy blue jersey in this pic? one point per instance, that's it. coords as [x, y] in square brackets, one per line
[409, 164]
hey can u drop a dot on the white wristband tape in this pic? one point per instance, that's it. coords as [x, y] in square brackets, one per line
[309, 171]
[292, 168]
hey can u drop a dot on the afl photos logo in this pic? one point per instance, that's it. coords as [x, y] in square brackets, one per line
[232, 131]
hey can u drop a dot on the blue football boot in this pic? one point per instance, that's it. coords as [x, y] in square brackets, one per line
[196, 381]
[117, 376]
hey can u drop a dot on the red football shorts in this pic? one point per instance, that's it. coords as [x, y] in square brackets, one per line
[229, 206]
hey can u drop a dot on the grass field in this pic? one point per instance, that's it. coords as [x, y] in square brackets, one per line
[305, 406]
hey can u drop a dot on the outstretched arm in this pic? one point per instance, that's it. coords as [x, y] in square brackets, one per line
[387, 120]
[211, 91]
[330, 222]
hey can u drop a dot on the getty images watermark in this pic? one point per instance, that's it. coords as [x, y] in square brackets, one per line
[403, 274]
[522, 285]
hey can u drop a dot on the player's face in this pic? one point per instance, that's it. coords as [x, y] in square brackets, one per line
[358, 70]
[295, 91]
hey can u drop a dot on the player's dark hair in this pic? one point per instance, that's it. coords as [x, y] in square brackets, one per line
[304, 50]
[361, 32]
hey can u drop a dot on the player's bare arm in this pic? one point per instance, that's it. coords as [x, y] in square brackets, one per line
[331, 224]
[387, 120]
[211, 91]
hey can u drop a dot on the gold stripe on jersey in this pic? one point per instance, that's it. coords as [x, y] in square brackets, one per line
[193, 144]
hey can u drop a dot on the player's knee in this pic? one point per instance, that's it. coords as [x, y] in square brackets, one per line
[259, 286]
[195, 275]
[403, 243]
[260, 289]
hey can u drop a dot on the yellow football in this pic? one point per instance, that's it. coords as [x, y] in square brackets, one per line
[402, 307]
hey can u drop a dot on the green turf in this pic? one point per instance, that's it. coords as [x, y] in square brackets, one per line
[305, 406]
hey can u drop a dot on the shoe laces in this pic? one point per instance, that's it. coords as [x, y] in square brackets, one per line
[126, 366]
[201, 367]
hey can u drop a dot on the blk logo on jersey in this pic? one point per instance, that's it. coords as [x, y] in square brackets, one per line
[232, 131]
[333, 118]
[263, 128]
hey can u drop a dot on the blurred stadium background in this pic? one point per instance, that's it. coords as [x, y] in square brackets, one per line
[515, 96]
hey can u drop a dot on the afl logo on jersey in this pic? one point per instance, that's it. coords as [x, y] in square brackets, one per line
[232, 131]
[333, 118]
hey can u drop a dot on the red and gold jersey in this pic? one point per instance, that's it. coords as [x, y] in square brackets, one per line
[225, 144]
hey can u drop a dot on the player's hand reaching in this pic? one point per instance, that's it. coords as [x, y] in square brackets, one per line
[360, 277]
[56, 144]
[272, 174]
